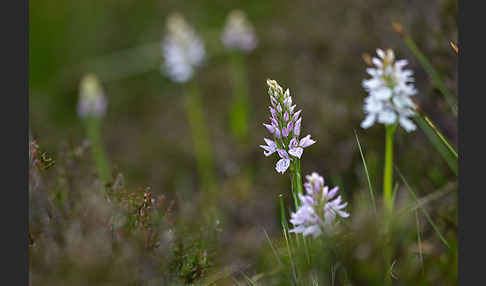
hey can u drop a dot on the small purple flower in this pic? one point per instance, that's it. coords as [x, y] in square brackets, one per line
[284, 163]
[282, 153]
[277, 133]
[286, 116]
[279, 108]
[291, 109]
[288, 99]
[273, 112]
[270, 148]
[297, 127]
[297, 149]
[274, 122]
[285, 132]
[273, 101]
[290, 125]
[294, 149]
[306, 141]
[269, 127]
[296, 115]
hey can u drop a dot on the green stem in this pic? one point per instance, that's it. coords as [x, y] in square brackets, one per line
[93, 129]
[201, 142]
[239, 111]
[298, 177]
[296, 181]
[388, 199]
[388, 170]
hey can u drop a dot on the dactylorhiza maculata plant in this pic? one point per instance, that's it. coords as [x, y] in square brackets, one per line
[389, 102]
[239, 39]
[238, 33]
[92, 105]
[390, 88]
[284, 127]
[183, 52]
[182, 49]
[319, 210]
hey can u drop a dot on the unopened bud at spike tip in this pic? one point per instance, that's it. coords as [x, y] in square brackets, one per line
[367, 59]
[398, 28]
[454, 47]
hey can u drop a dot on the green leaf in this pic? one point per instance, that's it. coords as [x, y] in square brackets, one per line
[438, 140]
[432, 72]
[372, 195]
[424, 211]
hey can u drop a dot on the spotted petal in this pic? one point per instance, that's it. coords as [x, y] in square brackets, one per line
[296, 152]
[282, 165]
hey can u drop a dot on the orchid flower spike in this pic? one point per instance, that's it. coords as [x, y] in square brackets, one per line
[92, 100]
[284, 128]
[320, 208]
[182, 49]
[238, 33]
[389, 92]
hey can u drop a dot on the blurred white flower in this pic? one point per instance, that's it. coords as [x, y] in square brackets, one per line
[238, 33]
[318, 210]
[182, 49]
[92, 101]
[390, 88]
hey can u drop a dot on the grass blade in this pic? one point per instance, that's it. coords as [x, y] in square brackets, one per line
[273, 248]
[438, 141]
[424, 211]
[429, 69]
[419, 240]
[285, 228]
[372, 195]
[428, 198]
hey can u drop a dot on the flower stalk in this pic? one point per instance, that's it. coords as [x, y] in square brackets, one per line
[239, 113]
[239, 38]
[285, 129]
[91, 108]
[93, 129]
[201, 142]
[296, 181]
[183, 52]
[388, 169]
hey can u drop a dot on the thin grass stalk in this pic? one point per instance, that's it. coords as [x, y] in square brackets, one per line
[419, 240]
[272, 247]
[424, 211]
[285, 228]
[372, 195]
